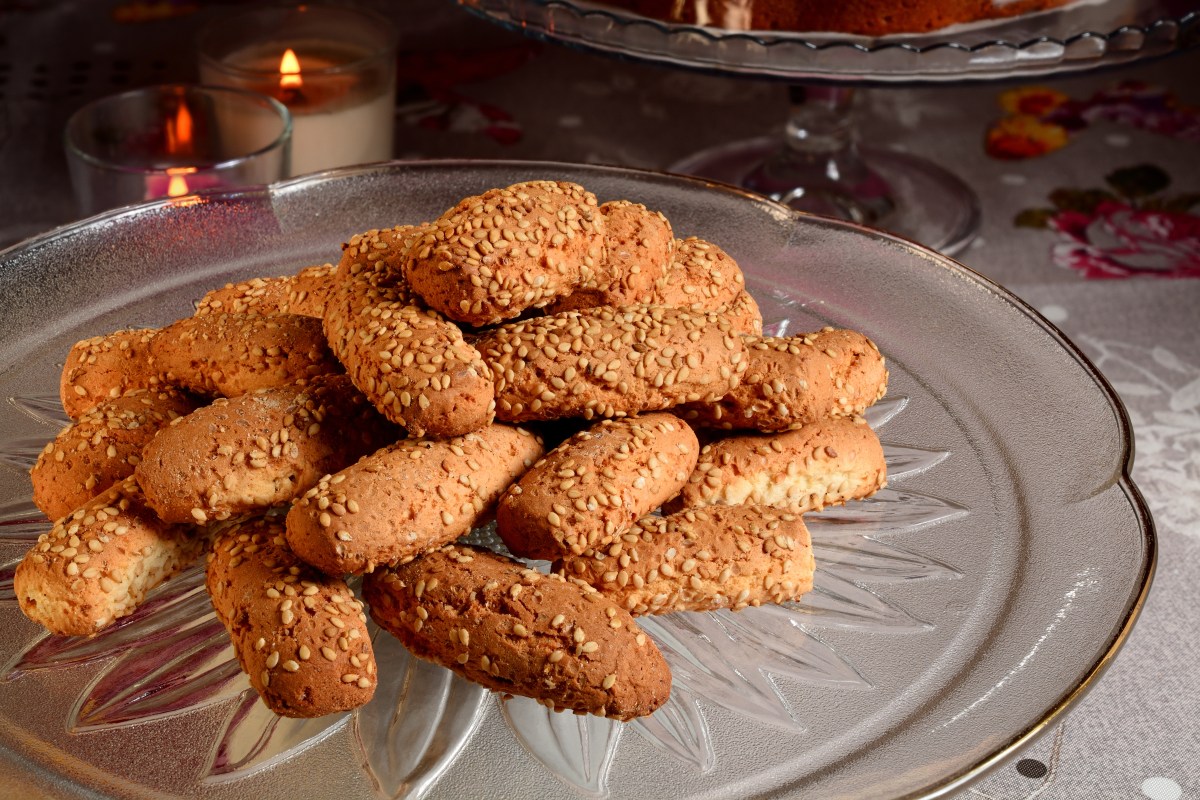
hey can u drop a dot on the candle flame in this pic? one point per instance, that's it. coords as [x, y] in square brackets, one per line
[177, 185]
[289, 71]
[179, 131]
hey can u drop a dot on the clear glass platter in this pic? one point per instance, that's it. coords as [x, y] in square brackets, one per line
[956, 614]
[1078, 37]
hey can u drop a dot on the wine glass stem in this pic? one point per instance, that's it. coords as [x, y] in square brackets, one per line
[819, 169]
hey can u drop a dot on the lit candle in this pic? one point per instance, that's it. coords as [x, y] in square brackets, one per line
[334, 69]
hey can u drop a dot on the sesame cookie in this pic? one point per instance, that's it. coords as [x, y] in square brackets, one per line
[799, 379]
[303, 294]
[226, 354]
[596, 484]
[104, 367]
[494, 255]
[417, 369]
[744, 315]
[611, 362]
[816, 465]
[638, 248]
[379, 253]
[411, 497]
[703, 559]
[102, 447]
[702, 275]
[97, 564]
[299, 635]
[514, 630]
[249, 453]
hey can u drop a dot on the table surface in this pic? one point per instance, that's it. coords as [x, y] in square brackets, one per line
[1090, 193]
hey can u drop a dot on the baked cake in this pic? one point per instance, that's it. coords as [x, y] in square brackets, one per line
[866, 17]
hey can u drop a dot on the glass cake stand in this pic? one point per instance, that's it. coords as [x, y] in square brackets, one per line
[817, 165]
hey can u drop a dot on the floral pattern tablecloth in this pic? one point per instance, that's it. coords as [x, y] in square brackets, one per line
[1090, 191]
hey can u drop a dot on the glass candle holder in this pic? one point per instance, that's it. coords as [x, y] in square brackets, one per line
[334, 68]
[174, 140]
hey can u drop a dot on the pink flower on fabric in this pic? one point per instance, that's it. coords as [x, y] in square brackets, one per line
[1120, 241]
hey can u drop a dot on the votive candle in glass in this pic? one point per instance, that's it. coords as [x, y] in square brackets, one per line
[334, 68]
[173, 140]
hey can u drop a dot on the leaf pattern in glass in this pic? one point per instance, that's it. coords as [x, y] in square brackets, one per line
[21, 522]
[679, 729]
[578, 750]
[43, 408]
[418, 722]
[22, 453]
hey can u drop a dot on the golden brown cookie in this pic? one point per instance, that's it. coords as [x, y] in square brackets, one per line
[246, 454]
[407, 499]
[702, 559]
[744, 315]
[495, 255]
[816, 465]
[702, 275]
[225, 355]
[378, 254]
[102, 447]
[299, 635]
[303, 294]
[417, 370]
[514, 630]
[795, 380]
[97, 564]
[104, 367]
[611, 362]
[593, 486]
[638, 248]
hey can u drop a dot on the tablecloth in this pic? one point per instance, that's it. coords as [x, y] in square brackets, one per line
[1090, 193]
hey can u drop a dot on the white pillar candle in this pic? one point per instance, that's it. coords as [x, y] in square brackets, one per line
[333, 68]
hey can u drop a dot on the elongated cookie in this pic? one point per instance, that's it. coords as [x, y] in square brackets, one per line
[611, 362]
[105, 367]
[701, 276]
[703, 559]
[795, 380]
[379, 254]
[495, 255]
[417, 370]
[97, 564]
[226, 354]
[102, 447]
[299, 635]
[246, 454]
[302, 293]
[816, 465]
[596, 484]
[407, 499]
[638, 248]
[514, 630]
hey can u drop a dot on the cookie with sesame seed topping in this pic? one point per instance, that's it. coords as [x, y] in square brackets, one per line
[701, 560]
[102, 447]
[418, 370]
[823, 463]
[795, 380]
[611, 362]
[246, 454]
[638, 247]
[104, 367]
[702, 275]
[514, 630]
[225, 355]
[379, 254]
[593, 486]
[97, 564]
[299, 635]
[494, 255]
[406, 499]
[302, 293]
[744, 315]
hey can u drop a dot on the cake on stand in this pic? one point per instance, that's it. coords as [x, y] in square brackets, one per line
[817, 164]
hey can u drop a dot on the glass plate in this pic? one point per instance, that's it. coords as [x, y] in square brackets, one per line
[1083, 36]
[956, 614]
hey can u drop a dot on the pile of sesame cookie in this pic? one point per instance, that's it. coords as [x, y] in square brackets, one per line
[359, 419]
